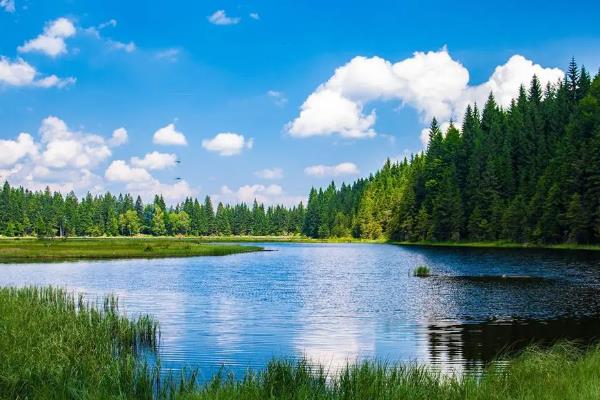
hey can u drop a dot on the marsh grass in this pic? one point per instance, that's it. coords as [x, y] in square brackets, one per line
[56, 345]
[422, 271]
[48, 250]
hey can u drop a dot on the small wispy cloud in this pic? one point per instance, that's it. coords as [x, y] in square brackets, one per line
[8, 5]
[270, 173]
[95, 31]
[343, 169]
[110, 23]
[254, 15]
[167, 54]
[127, 47]
[278, 97]
[219, 17]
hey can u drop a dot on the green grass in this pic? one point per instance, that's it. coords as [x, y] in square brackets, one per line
[48, 250]
[502, 245]
[422, 271]
[53, 345]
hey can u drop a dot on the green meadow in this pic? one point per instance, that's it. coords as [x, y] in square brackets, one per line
[48, 250]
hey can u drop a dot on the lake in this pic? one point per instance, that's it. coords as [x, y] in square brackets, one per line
[335, 303]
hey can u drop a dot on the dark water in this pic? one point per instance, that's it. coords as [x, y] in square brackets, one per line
[341, 302]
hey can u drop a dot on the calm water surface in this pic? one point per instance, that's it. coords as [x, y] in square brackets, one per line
[335, 303]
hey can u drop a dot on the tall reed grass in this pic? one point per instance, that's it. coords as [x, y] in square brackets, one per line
[55, 345]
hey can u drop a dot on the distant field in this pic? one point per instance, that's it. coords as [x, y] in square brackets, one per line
[47, 250]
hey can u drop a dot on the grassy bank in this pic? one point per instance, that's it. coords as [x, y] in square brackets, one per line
[53, 345]
[104, 241]
[502, 245]
[48, 250]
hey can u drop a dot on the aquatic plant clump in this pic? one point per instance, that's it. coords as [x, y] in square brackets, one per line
[422, 271]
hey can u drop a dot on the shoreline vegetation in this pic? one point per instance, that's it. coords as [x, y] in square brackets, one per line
[50, 250]
[31, 249]
[65, 347]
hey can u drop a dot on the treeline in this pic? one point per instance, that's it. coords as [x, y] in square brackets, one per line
[45, 214]
[527, 173]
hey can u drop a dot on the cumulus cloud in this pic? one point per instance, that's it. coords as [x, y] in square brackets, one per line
[168, 135]
[326, 112]
[12, 151]
[504, 83]
[8, 5]
[139, 182]
[271, 194]
[119, 137]
[155, 160]
[67, 148]
[58, 148]
[270, 173]
[120, 171]
[20, 73]
[343, 169]
[172, 193]
[63, 160]
[278, 97]
[52, 41]
[254, 16]
[227, 144]
[432, 83]
[219, 17]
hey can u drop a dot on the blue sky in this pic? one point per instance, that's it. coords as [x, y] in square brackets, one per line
[253, 87]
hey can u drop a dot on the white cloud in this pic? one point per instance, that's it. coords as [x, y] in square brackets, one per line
[506, 80]
[270, 173]
[63, 160]
[140, 182]
[167, 54]
[52, 41]
[343, 169]
[254, 15]
[95, 31]
[219, 17]
[37, 177]
[227, 143]
[110, 23]
[433, 83]
[326, 112]
[278, 97]
[168, 135]
[172, 193]
[120, 171]
[155, 160]
[8, 5]
[20, 73]
[65, 148]
[127, 47]
[119, 137]
[12, 151]
[271, 194]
